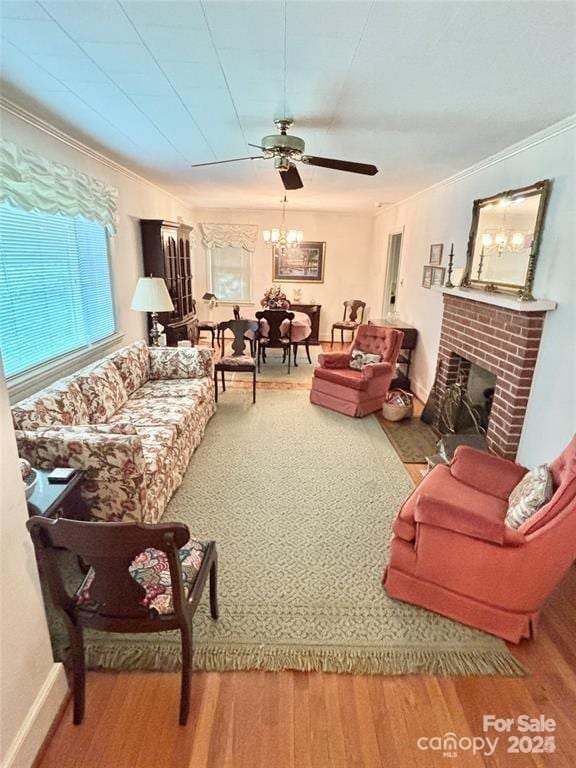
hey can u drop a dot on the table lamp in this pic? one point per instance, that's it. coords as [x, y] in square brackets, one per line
[151, 295]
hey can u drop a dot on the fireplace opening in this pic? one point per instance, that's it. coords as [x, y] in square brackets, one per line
[467, 402]
[481, 387]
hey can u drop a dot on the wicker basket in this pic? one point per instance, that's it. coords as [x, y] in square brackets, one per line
[393, 412]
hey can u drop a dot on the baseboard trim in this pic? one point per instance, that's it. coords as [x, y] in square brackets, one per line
[420, 391]
[38, 723]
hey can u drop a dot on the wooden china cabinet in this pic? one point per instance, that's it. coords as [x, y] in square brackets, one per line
[167, 254]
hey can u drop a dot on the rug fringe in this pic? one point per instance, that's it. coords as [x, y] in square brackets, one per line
[341, 660]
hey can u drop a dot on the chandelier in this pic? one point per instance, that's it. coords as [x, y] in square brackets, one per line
[284, 239]
[504, 241]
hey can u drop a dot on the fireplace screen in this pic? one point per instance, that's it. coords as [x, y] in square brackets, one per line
[465, 405]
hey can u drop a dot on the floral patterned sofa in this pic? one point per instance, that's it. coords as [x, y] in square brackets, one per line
[131, 421]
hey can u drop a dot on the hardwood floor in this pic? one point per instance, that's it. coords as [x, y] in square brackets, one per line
[317, 720]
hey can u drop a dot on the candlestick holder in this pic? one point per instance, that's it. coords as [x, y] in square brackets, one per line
[449, 283]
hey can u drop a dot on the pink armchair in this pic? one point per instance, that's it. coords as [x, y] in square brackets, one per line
[452, 552]
[357, 393]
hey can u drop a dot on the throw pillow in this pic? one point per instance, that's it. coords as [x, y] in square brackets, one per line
[532, 492]
[359, 360]
[103, 390]
[133, 365]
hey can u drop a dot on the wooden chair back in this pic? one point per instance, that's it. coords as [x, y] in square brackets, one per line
[236, 310]
[351, 307]
[239, 328]
[108, 548]
[275, 318]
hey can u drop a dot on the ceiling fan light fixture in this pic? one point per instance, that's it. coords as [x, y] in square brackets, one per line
[282, 163]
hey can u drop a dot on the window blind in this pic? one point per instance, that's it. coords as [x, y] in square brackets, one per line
[231, 268]
[55, 292]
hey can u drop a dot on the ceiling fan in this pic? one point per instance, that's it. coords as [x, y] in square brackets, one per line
[287, 149]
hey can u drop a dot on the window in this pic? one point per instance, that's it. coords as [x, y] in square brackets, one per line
[55, 293]
[231, 273]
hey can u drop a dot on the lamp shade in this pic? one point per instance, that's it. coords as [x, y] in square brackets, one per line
[151, 295]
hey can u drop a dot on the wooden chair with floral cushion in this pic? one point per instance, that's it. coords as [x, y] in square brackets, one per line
[350, 321]
[239, 361]
[207, 325]
[140, 578]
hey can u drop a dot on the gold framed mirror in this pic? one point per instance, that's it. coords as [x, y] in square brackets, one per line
[504, 240]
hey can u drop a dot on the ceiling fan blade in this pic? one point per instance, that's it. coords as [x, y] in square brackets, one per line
[235, 160]
[340, 165]
[256, 146]
[291, 178]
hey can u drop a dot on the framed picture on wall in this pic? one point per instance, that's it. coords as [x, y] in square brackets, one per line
[426, 277]
[436, 253]
[304, 264]
[438, 276]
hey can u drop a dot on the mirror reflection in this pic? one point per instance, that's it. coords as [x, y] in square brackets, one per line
[504, 240]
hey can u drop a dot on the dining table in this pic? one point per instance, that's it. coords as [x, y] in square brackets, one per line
[301, 329]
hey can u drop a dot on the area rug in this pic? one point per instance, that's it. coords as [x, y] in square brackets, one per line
[275, 370]
[413, 440]
[300, 501]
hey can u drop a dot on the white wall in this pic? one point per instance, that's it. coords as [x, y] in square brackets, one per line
[348, 240]
[32, 686]
[443, 214]
[137, 199]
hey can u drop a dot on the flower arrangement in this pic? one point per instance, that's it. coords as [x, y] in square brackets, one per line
[274, 298]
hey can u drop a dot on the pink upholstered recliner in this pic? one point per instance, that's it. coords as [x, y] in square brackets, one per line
[356, 393]
[452, 552]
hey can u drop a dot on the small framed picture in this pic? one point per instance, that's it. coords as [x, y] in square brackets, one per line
[438, 276]
[436, 253]
[426, 277]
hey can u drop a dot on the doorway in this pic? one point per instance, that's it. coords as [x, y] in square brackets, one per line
[392, 271]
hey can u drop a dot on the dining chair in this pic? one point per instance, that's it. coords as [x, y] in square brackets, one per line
[249, 335]
[238, 361]
[276, 337]
[140, 578]
[350, 321]
[207, 325]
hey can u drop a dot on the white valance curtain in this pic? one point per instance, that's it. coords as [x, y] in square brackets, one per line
[32, 182]
[237, 235]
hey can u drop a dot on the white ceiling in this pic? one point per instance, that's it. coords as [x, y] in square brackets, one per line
[421, 89]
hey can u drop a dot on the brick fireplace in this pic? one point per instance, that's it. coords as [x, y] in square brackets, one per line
[501, 339]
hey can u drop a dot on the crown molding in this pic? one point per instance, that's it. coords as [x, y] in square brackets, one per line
[56, 133]
[567, 124]
[202, 210]
[43, 125]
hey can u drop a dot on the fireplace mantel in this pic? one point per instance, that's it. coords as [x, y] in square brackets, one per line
[499, 300]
